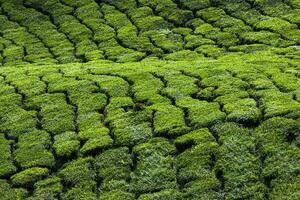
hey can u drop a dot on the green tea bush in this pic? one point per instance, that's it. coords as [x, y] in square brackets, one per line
[96, 143]
[6, 167]
[292, 16]
[54, 7]
[9, 101]
[129, 127]
[193, 164]
[241, 166]
[265, 37]
[77, 171]
[281, 157]
[8, 193]
[286, 189]
[243, 111]
[183, 55]
[211, 14]
[185, 86]
[81, 191]
[32, 150]
[116, 195]
[29, 176]
[12, 54]
[201, 113]
[140, 12]
[77, 3]
[224, 38]
[66, 144]
[281, 129]
[275, 103]
[124, 5]
[132, 134]
[166, 40]
[196, 4]
[275, 24]
[211, 50]
[151, 23]
[285, 82]
[29, 86]
[249, 48]
[164, 194]
[17, 121]
[47, 188]
[114, 164]
[146, 87]
[165, 122]
[194, 41]
[154, 167]
[57, 118]
[205, 29]
[294, 3]
[20, 14]
[88, 102]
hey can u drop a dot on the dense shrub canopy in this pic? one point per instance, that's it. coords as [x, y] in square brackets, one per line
[149, 99]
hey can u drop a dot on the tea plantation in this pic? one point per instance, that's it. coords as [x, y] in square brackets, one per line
[150, 99]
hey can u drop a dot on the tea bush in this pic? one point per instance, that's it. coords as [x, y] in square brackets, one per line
[6, 167]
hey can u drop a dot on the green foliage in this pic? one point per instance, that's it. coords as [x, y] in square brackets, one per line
[47, 188]
[29, 176]
[238, 162]
[96, 144]
[57, 118]
[276, 103]
[66, 144]
[154, 171]
[114, 164]
[8, 193]
[194, 41]
[77, 171]
[17, 121]
[193, 163]
[133, 134]
[243, 111]
[116, 195]
[211, 14]
[275, 24]
[6, 165]
[165, 122]
[210, 50]
[183, 55]
[151, 23]
[201, 113]
[196, 4]
[32, 150]
[286, 189]
[93, 133]
[161, 99]
[82, 190]
[277, 130]
[164, 194]
[265, 37]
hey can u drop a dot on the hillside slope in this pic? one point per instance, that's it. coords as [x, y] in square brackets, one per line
[149, 100]
[64, 31]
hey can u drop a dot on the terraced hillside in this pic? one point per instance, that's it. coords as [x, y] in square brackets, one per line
[149, 100]
[64, 31]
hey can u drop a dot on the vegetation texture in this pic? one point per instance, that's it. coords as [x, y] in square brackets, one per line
[149, 100]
